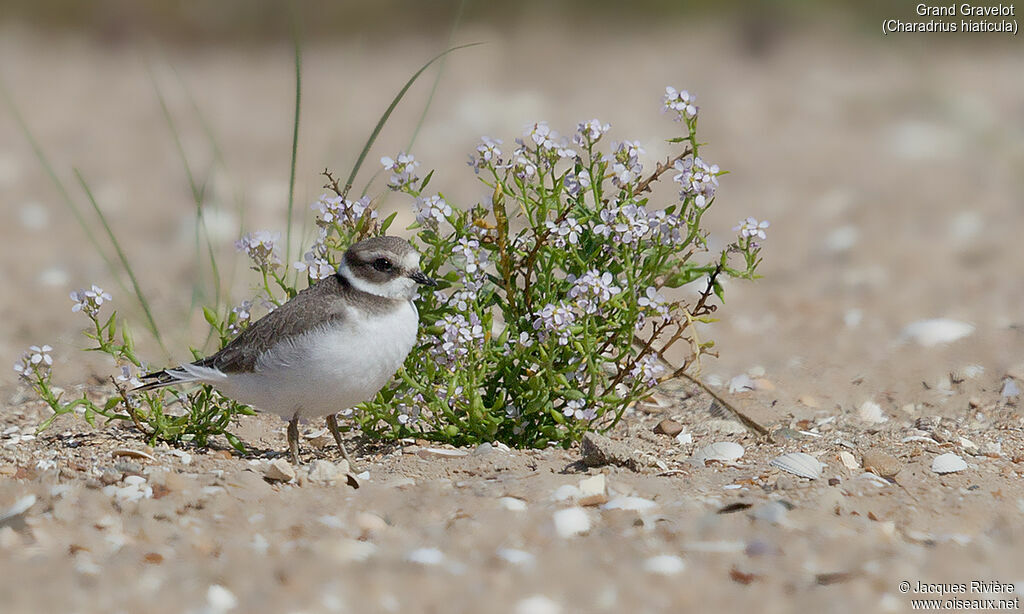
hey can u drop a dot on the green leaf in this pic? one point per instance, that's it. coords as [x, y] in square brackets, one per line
[211, 317]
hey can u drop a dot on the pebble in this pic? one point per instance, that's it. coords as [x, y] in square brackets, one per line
[1010, 388]
[12, 515]
[220, 599]
[668, 427]
[936, 331]
[538, 604]
[369, 523]
[598, 450]
[592, 491]
[280, 470]
[635, 504]
[570, 522]
[512, 504]
[326, 472]
[773, 512]
[684, 439]
[441, 453]
[871, 412]
[948, 463]
[665, 565]
[515, 557]
[885, 465]
[425, 556]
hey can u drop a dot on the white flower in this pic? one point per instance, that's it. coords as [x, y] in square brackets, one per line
[681, 103]
[577, 409]
[590, 291]
[89, 301]
[243, 315]
[260, 246]
[336, 210]
[128, 376]
[655, 302]
[488, 154]
[35, 362]
[750, 228]
[555, 318]
[590, 132]
[431, 210]
[315, 266]
[698, 178]
[648, 369]
[403, 170]
[566, 232]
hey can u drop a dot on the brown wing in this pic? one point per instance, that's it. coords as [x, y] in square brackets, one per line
[313, 306]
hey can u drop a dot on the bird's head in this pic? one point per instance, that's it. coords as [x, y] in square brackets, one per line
[384, 266]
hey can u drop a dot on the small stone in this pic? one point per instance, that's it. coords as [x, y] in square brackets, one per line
[425, 556]
[483, 449]
[441, 453]
[592, 491]
[571, 522]
[668, 427]
[370, 524]
[599, 450]
[633, 504]
[220, 599]
[937, 331]
[537, 604]
[871, 412]
[325, 472]
[665, 565]
[992, 448]
[513, 556]
[512, 504]
[885, 465]
[279, 470]
[109, 477]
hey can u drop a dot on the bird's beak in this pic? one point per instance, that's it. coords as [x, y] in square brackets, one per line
[420, 278]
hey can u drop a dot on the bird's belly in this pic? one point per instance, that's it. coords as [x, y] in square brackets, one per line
[329, 370]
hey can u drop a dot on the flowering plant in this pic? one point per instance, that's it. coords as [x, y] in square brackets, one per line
[552, 314]
[551, 317]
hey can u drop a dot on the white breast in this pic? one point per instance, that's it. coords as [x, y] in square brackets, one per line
[328, 370]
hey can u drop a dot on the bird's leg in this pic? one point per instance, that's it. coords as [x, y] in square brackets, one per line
[293, 438]
[332, 423]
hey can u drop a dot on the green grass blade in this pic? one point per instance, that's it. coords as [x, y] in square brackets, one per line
[151, 322]
[456, 21]
[295, 142]
[202, 234]
[387, 114]
[65, 196]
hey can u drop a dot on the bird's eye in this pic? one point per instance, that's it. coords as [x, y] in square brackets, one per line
[382, 264]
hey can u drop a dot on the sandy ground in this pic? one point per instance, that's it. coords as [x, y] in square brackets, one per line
[890, 171]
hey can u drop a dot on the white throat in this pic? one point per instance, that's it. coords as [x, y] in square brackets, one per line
[401, 287]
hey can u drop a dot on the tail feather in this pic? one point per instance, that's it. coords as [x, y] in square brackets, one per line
[184, 374]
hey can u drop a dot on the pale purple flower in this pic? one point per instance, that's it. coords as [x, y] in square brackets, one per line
[36, 362]
[403, 170]
[682, 103]
[242, 316]
[698, 178]
[487, 154]
[647, 370]
[577, 409]
[458, 335]
[627, 166]
[524, 167]
[432, 210]
[665, 227]
[128, 376]
[260, 246]
[541, 135]
[590, 132]
[89, 301]
[575, 183]
[557, 319]
[568, 231]
[654, 302]
[337, 210]
[751, 228]
[315, 265]
[472, 258]
[591, 290]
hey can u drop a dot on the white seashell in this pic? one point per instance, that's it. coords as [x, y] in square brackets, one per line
[936, 331]
[849, 460]
[721, 451]
[514, 556]
[798, 463]
[512, 504]
[1010, 388]
[948, 463]
[741, 383]
[634, 504]
[684, 438]
[871, 413]
[571, 522]
[664, 565]
[441, 453]
[425, 556]
[874, 479]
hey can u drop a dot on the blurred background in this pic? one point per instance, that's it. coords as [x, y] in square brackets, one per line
[890, 167]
